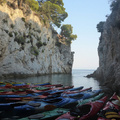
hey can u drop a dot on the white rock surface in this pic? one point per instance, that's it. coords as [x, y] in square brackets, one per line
[17, 59]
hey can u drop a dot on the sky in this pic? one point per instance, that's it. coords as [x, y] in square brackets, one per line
[84, 15]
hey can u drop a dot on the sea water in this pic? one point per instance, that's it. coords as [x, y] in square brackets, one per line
[77, 78]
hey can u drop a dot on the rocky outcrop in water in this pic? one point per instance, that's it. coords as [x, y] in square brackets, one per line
[109, 51]
[29, 48]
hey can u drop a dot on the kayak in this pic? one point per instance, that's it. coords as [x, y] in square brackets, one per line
[82, 95]
[111, 109]
[82, 102]
[37, 84]
[9, 106]
[70, 88]
[77, 88]
[67, 102]
[18, 84]
[49, 114]
[77, 91]
[31, 107]
[54, 85]
[59, 101]
[84, 112]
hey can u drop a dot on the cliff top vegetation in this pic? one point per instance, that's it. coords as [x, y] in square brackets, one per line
[50, 13]
[114, 4]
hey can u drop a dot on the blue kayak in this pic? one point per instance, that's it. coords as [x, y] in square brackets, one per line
[32, 107]
[82, 95]
[71, 89]
[78, 88]
[59, 101]
[8, 106]
[19, 84]
[70, 99]
[43, 84]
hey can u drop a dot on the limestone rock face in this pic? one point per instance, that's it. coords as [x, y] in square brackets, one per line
[109, 50]
[29, 48]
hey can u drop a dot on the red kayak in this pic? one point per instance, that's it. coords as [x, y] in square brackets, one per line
[54, 85]
[63, 88]
[13, 93]
[84, 112]
[111, 109]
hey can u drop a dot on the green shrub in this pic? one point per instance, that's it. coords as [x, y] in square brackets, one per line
[22, 47]
[23, 19]
[39, 31]
[5, 21]
[39, 44]
[26, 24]
[34, 51]
[20, 40]
[54, 31]
[33, 4]
[28, 41]
[58, 44]
[100, 26]
[114, 5]
[44, 43]
[10, 34]
[42, 51]
[66, 33]
[12, 26]
[15, 33]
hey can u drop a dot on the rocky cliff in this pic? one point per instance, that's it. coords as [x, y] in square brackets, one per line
[109, 50]
[29, 48]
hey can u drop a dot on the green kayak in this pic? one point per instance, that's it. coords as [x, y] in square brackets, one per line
[47, 115]
[81, 102]
[41, 88]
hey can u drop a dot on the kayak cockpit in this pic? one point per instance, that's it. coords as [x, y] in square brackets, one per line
[81, 110]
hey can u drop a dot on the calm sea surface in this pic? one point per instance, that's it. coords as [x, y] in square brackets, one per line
[76, 78]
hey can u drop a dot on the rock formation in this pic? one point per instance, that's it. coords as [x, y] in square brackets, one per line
[108, 71]
[27, 47]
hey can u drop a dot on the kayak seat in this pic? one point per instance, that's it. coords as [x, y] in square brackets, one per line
[85, 109]
[77, 96]
[18, 104]
[75, 112]
[34, 104]
[80, 111]
[53, 100]
[53, 96]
